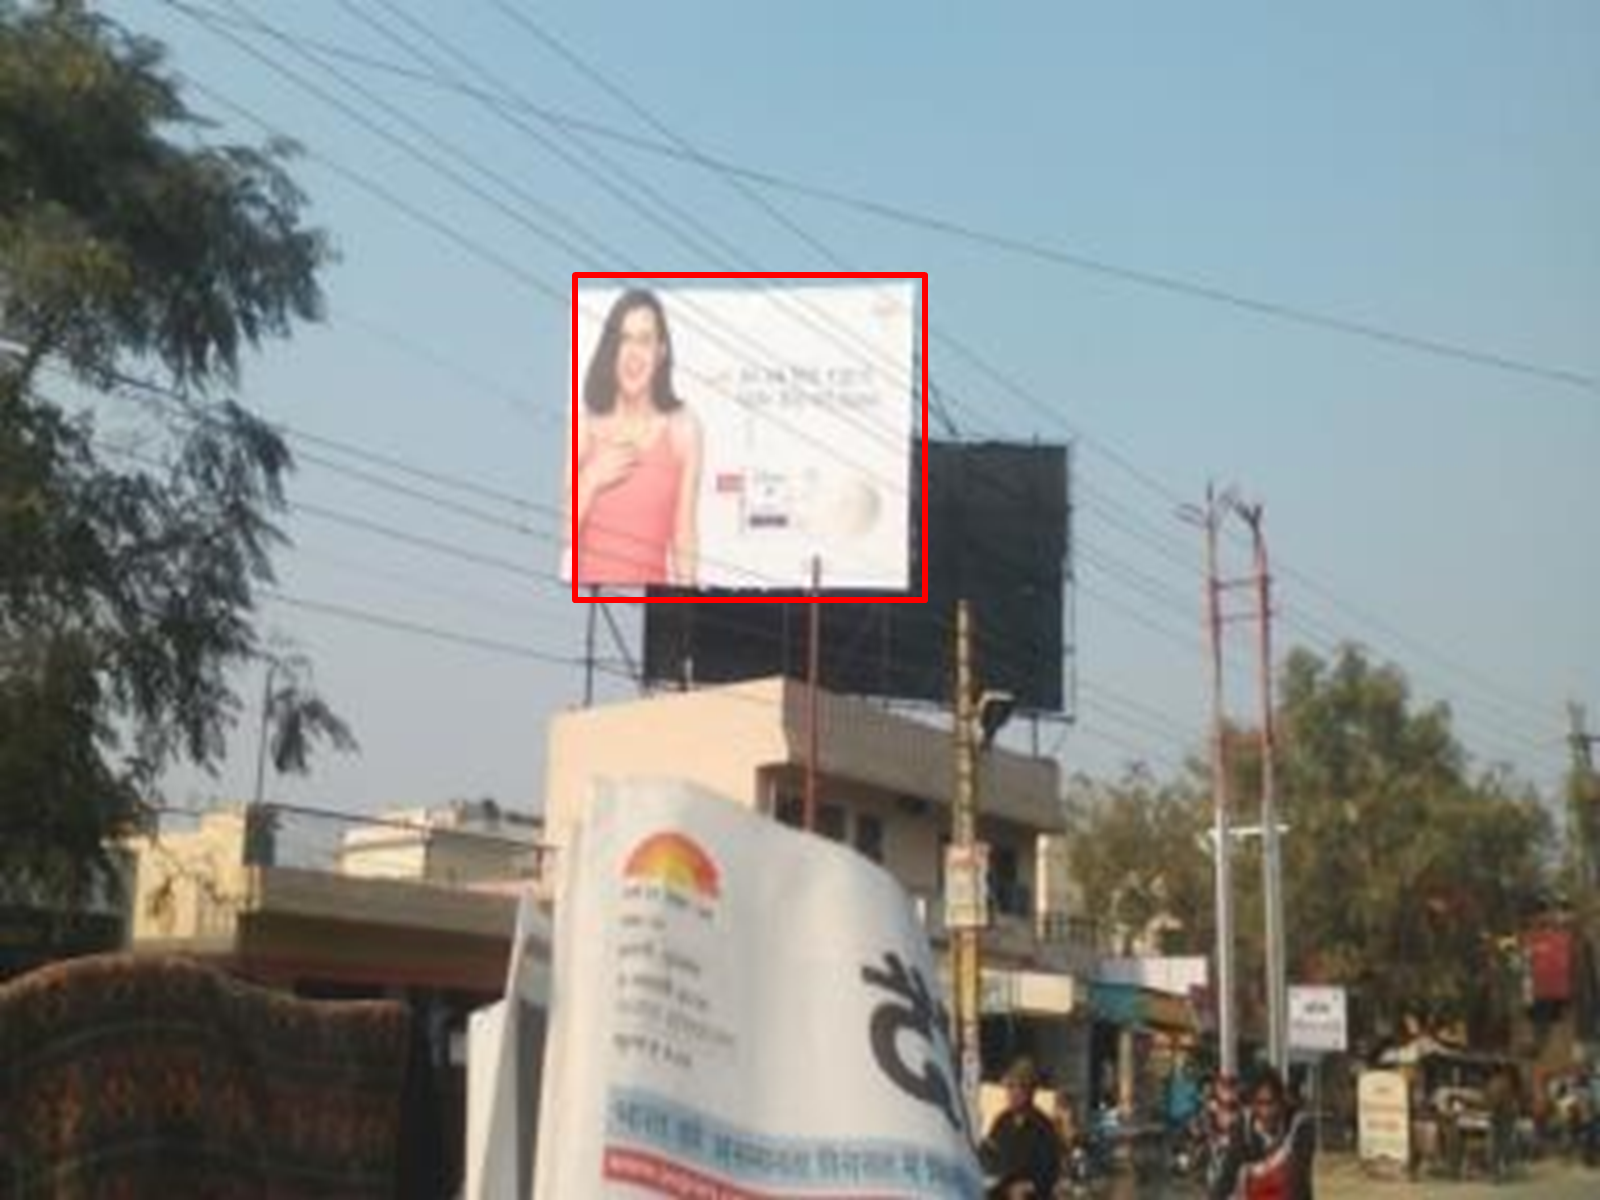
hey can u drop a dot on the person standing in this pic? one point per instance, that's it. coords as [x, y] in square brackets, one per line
[1500, 1095]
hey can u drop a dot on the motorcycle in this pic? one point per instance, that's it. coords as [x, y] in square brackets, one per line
[1091, 1157]
[1189, 1151]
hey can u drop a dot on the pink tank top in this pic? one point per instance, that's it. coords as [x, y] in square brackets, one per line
[629, 527]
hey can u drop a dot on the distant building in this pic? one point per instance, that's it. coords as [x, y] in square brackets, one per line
[464, 842]
[318, 899]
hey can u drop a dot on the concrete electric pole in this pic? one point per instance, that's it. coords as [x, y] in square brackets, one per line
[1271, 843]
[964, 880]
[979, 715]
[1221, 816]
[1210, 519]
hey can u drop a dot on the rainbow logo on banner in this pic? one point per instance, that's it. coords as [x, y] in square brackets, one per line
[676, 862]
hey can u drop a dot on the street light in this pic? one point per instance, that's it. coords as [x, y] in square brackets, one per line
[994, 710]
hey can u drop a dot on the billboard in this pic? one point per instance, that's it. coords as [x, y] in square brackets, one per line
[998, 534]
[740, 1011]
[734, 437]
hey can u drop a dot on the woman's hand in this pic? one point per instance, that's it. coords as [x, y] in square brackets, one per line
[608, 465]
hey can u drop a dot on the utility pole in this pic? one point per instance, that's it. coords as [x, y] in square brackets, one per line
[1227, 1037]
[1271, 845]
[1583, 804]
[965, 968]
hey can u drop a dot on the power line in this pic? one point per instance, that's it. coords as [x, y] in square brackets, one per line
[1145, 718]
[1156, 280]
[700, 236]
[1164, 492]
[592, 245]
[1144, 584]
[434, 632]
[999, 639]
[419, 628]
[390, 197]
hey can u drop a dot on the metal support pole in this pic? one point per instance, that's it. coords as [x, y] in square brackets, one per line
[1227, 1041]
[813, 717]
[965, 966]
[588, 647]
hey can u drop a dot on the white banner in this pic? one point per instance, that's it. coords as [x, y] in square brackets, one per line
[1383, 1117]
[741, 1012]
[727, 437]
[505, 1049]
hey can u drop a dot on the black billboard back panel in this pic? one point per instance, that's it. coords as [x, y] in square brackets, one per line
[997, 533]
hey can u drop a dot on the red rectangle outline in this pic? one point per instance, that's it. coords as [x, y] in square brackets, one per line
[572, 504]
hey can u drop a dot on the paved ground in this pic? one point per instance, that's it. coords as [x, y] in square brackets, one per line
[1548, 1178]
[1339, 1177]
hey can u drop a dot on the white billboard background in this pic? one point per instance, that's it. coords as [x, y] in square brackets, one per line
[752, 1016]
[807, 399]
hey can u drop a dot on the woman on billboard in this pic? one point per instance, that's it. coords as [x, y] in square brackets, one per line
[638, 457]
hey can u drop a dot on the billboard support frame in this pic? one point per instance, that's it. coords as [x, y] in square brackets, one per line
[600, 610]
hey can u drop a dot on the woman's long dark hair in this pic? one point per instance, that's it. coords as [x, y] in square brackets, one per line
[600, 380]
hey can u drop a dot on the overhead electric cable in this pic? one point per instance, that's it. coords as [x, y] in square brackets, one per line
[896, 213]
[1057, 418]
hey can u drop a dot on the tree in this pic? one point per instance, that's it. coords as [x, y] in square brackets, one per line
[1406, 876]
[1136, 853]
[138, 262]
[1404, 871]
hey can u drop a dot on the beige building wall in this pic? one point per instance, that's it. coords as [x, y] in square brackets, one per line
[724, 738]
[383, 854]
[885, 785]
[433, 855]
[189, 886]
[718, 738]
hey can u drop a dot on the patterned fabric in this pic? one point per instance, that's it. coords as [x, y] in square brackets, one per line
[124, 1077]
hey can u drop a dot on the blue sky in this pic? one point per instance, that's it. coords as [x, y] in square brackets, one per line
[1426, 168]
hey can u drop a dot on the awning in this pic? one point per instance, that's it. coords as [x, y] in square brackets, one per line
[1141, 1007]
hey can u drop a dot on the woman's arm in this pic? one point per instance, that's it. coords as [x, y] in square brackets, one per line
[684, 566]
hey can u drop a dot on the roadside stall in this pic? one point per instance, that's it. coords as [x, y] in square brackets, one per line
[1453, 1096]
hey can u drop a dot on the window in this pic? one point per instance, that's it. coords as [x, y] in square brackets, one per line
[869, 836]
[789, 810]
[831, 821]
[1007, 892]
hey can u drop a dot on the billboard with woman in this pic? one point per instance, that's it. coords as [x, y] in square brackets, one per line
[738, 436]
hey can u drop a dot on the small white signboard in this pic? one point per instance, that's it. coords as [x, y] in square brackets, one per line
[1317, 1019]
[966, 886]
